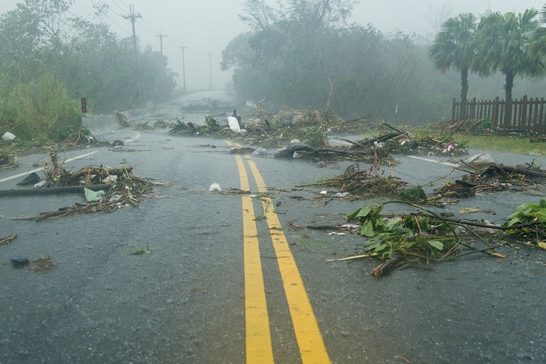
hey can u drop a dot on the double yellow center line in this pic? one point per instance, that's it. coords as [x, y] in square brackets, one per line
[258, 335]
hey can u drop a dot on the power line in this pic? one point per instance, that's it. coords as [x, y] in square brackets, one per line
[119, 6]
[112, 21]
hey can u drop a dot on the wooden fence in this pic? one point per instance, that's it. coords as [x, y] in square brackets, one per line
[525, 114]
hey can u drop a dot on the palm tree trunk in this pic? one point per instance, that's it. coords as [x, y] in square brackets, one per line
[508, 88]
[464, 91]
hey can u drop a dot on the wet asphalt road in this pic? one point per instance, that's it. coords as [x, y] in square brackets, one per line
[184, 301]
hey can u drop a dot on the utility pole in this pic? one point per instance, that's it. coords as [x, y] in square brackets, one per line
[182, 48]
[161, 36]
[210, 70]
[133, 17]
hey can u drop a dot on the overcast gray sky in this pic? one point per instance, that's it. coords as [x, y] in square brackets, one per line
[206, 26]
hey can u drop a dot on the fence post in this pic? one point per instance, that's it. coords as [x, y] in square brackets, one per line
[523, 118]
[533, 114]
[541, 120]
[495, 113]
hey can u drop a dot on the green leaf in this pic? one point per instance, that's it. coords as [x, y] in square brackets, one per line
[368, 230]
[359, 214]
[436, 244]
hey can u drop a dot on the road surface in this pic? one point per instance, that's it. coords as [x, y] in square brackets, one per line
[228, 280]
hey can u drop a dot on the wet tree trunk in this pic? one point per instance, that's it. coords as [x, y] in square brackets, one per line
[508, 88]
[464, 91]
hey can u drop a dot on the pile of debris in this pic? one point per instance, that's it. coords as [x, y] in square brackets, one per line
[357, 184]
[492, 177]
[8, 160]
[105, 189]
[80, 137]
[211, 128]
[424, 237]
[403, 142]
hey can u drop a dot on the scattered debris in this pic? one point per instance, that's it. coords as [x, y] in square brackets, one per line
[242, 150]
[234, 124]
[81, 136]
[8, 137]
[468, 210]
[357, 184]
[491, 177]
[479, 159]
[6, 240]
[215, 187]
[19, 262]
[30, 179]
[8, 160]
[403, 142]
[142, 250]
[117, 143]
[533, 217]
[123, 190]
[42, 264]
[94, 196]
[424, 237]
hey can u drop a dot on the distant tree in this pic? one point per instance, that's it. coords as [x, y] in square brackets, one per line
[455, 47]
[506, 42]
[261, 14]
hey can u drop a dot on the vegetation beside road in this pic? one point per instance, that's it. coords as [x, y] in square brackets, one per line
[305, 54]
[50, 58]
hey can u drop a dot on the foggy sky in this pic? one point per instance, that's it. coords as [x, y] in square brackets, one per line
[206, 26]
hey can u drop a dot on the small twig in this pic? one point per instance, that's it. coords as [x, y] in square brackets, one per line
[354, 257]
[6, 240]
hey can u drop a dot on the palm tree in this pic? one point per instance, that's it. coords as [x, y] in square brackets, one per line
[539, 45]
[506, 46]
[455, 47]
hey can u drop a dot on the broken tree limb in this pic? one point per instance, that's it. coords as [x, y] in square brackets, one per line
[393, 128]
[52, 190]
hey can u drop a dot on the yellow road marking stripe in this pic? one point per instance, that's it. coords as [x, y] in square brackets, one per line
[308, 336]
[258, 336]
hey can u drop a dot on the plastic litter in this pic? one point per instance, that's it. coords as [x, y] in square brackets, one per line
[40, 184]
[482, 158]
[215, 187]
[111, 179]
[260, 151]
[234, 124]
[31, 179]
[19, 262]
[93, 196]
[8, 137]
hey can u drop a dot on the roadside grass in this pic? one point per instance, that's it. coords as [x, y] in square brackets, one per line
[501, 143]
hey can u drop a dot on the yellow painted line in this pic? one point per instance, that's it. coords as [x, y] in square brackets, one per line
[310, 341]
[258, 336]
